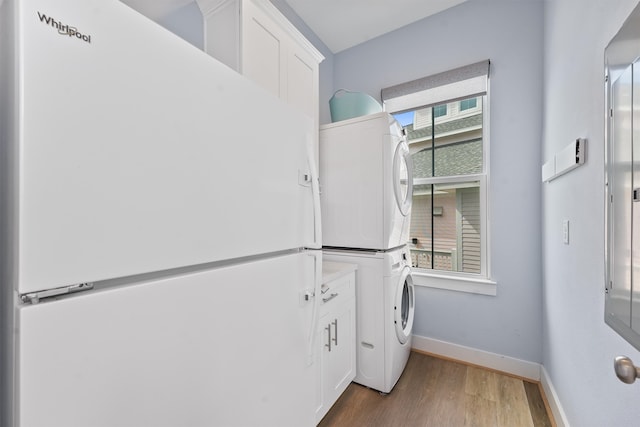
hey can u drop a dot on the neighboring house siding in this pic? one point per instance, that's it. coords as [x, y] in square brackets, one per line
[445, 225]
[470, 225]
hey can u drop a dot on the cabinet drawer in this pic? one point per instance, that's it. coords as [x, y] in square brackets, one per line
[336, 291]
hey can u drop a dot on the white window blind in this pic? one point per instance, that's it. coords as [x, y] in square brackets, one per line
[463, 82]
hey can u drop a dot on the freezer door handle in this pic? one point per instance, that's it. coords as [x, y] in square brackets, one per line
[315, 307]
[315, 192]
[36, 297]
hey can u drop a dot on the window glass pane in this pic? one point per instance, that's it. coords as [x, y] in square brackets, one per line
[458, 143]
[452, 211]
[467, 104]
[440, 110]
[445, 217]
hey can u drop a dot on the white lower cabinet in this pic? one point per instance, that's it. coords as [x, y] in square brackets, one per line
[335, 336]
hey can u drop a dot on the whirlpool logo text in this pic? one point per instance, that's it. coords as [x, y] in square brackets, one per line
[64, 29]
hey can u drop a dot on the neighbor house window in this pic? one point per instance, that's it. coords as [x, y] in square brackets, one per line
[467, 104]
[440, 110]
[449, 212]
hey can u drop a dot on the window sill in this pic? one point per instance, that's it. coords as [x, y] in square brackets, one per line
[453, 282]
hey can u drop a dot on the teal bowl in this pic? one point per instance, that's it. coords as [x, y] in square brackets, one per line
[345, 105]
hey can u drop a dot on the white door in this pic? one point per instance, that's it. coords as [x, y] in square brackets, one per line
[223, 347]
[404, 306]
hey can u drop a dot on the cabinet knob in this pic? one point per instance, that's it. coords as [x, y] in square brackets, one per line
[626, 371]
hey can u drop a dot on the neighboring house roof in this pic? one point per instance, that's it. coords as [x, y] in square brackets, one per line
[459, 158]
[444, 127]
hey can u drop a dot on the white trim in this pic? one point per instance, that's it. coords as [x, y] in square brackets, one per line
[552, 398]
[485, 188]
[449, 179]
[454, 282]
[509, 365]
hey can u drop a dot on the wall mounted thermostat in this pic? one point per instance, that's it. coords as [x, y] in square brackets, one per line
[565, 160]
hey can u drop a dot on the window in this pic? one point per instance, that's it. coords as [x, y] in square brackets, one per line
[440, 110]
[448, 170]
[467, 104]
[449, 212]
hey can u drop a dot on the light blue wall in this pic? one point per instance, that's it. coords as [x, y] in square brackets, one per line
[578, 347]
[509, 33]
[186, 22]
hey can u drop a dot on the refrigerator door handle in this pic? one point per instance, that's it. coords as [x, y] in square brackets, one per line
[315, 311]
[315, 192]
[36, 297]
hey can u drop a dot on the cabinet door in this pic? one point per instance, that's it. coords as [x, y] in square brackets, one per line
[264, 48]
[302, 82]
[340, 369]
[336, 339]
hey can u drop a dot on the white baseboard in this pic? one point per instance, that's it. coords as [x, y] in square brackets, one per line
[552, 399]
[510, 365]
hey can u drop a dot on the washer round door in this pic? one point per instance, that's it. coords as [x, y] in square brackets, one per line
[403, 177]
[404, 306]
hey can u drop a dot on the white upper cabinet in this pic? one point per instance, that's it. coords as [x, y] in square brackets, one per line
[255, 39]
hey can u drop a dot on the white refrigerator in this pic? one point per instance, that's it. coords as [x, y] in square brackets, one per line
[160, 220]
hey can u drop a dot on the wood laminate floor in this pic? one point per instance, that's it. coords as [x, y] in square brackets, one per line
[443, 393]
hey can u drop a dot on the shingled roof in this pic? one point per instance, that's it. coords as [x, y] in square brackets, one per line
[459, 158]
[444, 127]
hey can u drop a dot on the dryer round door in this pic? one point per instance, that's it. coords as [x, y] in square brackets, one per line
[403, 177]
[404, 306]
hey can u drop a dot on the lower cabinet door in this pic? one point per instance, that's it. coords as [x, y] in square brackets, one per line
[336, 332]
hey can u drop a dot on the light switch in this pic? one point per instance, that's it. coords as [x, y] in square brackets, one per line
[565, 231]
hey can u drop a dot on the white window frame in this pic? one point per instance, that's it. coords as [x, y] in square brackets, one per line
[453, 280]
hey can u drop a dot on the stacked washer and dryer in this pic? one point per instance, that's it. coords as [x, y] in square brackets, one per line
[366, 191]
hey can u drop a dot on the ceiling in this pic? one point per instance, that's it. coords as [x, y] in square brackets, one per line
[340, 24]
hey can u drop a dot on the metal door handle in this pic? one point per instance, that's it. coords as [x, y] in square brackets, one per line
[335, 325]
[626, 371]
[328, 344]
